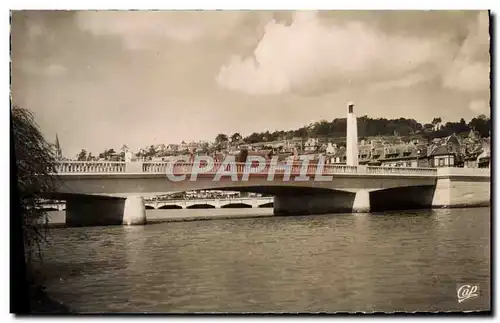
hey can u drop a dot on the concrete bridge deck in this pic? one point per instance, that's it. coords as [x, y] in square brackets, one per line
[116, 188]
[123, 179]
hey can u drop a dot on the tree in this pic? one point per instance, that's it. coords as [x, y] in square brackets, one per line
[253, 138]
[140, 154]
[19, 290]
[481, 124]
[301, 132]
[106, 154]
[82, 155]
[221, 138]
[204, 148]
[428, 127]
[322, 128]
[36, 171]
[235, 138]
[221, 141]
[436, 122]
[151, 151]
[242, 156]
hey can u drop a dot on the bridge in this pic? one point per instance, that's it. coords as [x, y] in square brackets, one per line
[242, 202]
[221, 203]
[115, 190]
[122, 179]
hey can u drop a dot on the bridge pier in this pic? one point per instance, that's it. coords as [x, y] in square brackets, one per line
[134, 212]
[337, 202]
[91, 210]
[361, 202]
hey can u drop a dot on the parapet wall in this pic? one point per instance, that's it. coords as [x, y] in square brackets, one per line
[462, 187]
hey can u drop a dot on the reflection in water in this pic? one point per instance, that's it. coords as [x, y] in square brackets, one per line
[366, 262]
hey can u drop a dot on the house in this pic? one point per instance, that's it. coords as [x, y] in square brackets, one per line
[183, 146]
[440, 157]
[331, 148]
[445, 152]
[404, 155]
[161, 148]
[311, 144]
[484, 159]
[172, 147]
[471, 155]
[364, 153]
[291, 144]
[193, 146]
[376, 154]
[339, 157]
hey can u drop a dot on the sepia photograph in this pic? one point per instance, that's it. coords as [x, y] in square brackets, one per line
[250, 161]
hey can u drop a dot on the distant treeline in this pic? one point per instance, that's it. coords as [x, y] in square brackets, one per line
[368, 127]
[334, 131]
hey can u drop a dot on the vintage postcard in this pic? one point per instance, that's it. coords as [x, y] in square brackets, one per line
[251, 161]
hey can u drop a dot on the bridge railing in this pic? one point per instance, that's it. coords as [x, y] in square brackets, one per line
[186, 168]
[400, 170]
[90, 167]
[212, 200]
[328, 169]
[154, 167]
[336, 169]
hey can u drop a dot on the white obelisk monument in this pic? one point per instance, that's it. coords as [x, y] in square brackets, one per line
[352, 137]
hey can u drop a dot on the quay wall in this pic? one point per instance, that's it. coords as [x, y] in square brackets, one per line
[462, 187]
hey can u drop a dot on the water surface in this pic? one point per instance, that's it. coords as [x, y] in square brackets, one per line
[402, 261]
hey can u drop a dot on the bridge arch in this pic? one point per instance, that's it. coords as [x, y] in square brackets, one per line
[402, 198]
[170, 207]
[236, 205]
[201, 206]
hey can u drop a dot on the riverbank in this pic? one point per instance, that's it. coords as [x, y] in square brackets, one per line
[155, 217]
[58, 218]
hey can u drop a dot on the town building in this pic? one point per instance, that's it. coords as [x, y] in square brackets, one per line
[311, 145]
[404, 155]
[484, 159]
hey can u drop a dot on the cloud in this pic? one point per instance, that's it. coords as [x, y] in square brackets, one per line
[470, 70]
[35, 30]
[406, 81]
[55, 70]
[466, 75]
[36, 69]
[292, 57]
[141, 29]
[479, 106]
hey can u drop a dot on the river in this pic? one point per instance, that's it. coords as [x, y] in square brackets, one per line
[401, 261]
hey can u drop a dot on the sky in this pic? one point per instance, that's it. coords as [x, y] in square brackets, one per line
[101, 79]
